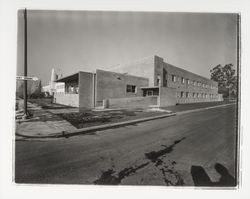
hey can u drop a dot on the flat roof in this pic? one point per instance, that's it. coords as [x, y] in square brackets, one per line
[69, 78]
[149, 87]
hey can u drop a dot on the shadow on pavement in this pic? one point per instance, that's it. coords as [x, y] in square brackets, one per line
[201, 178]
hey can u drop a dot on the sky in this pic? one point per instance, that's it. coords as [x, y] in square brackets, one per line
[75, 41]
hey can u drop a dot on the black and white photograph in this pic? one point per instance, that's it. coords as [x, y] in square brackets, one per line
[127, 98]
[124, 99]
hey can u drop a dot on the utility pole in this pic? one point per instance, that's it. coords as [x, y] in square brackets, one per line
[25, 67]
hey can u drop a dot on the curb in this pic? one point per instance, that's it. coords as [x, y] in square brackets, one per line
[96, 128]
[201, 109]
[118, 124]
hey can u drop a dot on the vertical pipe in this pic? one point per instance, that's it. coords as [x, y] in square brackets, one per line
[25, 63]
[94, 89]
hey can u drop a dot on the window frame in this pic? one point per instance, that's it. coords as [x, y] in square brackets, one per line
[173, 78]
[182, 80]
[131, 89]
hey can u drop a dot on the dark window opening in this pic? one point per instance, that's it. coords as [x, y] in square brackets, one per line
[173, 78]
[131, 89]
[182, 94]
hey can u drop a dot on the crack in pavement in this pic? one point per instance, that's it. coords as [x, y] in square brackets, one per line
[109, 177]
[154, 155]
[170, 177]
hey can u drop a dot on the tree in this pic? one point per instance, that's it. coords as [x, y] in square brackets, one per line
[226, 78]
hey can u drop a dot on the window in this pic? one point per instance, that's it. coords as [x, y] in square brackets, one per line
[193, 95]
[182, 80]
[186, 94]
[197, 94]
[173, 78]
[150, 93]
[131, 89]
[194, 83]
[182, 94]
[187, 81]
[203, 85]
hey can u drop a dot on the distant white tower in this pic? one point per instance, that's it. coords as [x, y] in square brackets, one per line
[52, 80]
[55, 74]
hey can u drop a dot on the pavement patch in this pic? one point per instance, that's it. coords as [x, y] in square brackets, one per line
[108, 177]
[170, 176]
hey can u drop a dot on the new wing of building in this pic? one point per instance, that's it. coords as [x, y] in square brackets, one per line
[150, 82]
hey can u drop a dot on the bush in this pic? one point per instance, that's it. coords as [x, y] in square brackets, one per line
[37, 95]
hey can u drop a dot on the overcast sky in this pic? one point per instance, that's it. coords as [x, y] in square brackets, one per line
[81, 40]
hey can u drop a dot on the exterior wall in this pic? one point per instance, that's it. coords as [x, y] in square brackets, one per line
[86, 90]
[132, 102]
[142, 68]
[158, 71]
[111, 85]
[196, 93]
[220, 97]
[167, 97]
[67, 99]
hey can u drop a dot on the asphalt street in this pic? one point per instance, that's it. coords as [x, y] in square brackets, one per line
[193, 149]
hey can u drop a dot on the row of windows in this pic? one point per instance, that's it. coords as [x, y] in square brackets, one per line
[195, 95]
[195, 83]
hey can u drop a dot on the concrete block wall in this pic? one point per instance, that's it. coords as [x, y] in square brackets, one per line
[86, 90]
[113, 85]
[158, 70]
[142, 68]
[167, 70]
[167, 97]
[179, 73]
[67, 99]
[132, 102]
[197, 100]
[220, 97]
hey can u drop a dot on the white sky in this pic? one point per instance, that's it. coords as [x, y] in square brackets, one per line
[81, 40]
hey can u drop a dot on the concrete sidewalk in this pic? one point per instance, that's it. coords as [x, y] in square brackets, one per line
[42, 124]
[45, 124]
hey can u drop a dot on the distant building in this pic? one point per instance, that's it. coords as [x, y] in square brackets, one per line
[54, 86]
[148, 82]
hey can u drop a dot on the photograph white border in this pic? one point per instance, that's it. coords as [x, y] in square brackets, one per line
[8, 36]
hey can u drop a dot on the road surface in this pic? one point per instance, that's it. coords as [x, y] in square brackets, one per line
[194, 149]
